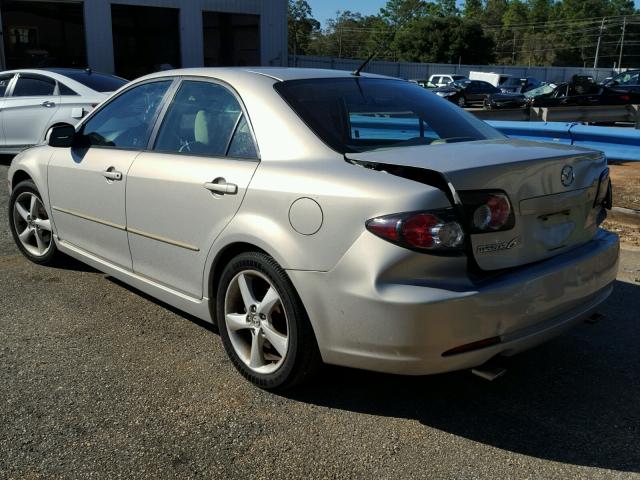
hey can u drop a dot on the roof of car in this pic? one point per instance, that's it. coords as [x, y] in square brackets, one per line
[276, 73]
[59, 74]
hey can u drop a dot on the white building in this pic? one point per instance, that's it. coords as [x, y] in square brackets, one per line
[134, 37]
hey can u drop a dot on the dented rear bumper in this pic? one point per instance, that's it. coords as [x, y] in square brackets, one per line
[368, 319]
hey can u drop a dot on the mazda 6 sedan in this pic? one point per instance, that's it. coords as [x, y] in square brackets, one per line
[322, 216]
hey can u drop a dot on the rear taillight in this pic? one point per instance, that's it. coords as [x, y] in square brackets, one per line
[488, 211]
[435, 231]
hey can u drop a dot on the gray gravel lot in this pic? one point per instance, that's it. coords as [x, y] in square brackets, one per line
[98, 380]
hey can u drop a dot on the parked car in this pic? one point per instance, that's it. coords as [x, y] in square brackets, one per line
[628, 81]
[519, 85]
[422, 83]
[31, 101]
[318, 215]
[586, 93]
[442, 80]
[582, 91]
[517, 100]
[466, 92]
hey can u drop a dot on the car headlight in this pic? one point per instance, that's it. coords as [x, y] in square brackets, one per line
[445, 94]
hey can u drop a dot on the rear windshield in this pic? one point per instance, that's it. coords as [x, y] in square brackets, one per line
[99, 82]
[361, 114]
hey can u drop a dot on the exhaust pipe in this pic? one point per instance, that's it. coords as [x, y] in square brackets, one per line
[593, 319]
[489, 372]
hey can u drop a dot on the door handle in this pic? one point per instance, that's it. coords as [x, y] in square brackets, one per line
[48, 104]
[112, 174]
[220, 186]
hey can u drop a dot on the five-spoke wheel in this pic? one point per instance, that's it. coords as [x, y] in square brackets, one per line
[263, 324]
[30, 223]
[256, 321]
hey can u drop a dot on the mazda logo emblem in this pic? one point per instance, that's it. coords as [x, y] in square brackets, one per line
[567, 176]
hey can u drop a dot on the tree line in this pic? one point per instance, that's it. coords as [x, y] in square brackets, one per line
[506, 32]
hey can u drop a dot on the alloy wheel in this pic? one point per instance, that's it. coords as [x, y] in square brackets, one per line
[256, 321]
[32, 224]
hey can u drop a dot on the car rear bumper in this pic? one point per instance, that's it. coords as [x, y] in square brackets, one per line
[403, 327]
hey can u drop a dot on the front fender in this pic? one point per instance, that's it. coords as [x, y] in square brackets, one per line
[33, 162]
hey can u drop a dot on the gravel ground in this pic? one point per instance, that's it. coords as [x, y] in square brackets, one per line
[101, 381]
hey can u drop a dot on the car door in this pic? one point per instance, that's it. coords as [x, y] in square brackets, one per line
[473, 92]
[5, 85]
[32, 102]
[87, 182]
[182, 194]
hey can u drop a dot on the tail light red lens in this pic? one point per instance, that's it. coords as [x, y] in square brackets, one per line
[494, 214]
[417, 230]
[429, 231]
[385, 227]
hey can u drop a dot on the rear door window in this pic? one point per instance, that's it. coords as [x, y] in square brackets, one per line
[205, 118]
[4, 83]
[34, 86]
[64, 90]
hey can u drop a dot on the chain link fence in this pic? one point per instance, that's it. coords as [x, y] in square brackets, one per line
[422, 71]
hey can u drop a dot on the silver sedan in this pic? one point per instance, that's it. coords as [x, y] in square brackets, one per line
[323, 216]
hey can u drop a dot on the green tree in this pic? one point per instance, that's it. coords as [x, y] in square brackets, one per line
[473, 10]
[443, 40]
[302, 26]
[447, 8]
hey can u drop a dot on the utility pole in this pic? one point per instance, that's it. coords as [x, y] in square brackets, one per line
[624, 27]
[513, 54]
[595, 61]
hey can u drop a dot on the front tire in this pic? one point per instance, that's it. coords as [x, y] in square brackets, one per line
[263, 324]
[462, 102]
[30, 224]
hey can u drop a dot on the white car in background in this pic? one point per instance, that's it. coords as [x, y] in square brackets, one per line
[442, 80]
[32, 101]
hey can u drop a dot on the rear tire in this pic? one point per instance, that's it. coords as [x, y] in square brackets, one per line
[263, 324]
[30, 224]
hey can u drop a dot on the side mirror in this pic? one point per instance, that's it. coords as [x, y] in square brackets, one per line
[61, 136]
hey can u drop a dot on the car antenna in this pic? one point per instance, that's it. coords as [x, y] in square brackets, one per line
[356, 72]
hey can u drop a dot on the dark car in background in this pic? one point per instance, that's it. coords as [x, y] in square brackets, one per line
[580, 91]
[518, 100]
[519, 85]
[628, 81]
[466, 92]
[584, 91]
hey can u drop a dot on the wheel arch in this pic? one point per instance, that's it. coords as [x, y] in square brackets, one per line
[223, 257]
[18, 176]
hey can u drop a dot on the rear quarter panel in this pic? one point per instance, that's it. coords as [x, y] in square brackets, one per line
[348, 195]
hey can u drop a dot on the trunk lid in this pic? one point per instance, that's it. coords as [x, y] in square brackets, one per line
[550, 217]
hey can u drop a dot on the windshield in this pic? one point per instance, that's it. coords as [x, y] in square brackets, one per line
[542, 90]
[361, 114]
[627, 78]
